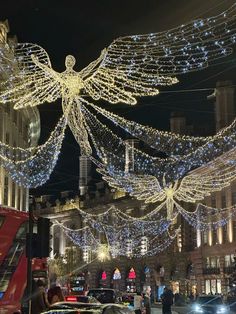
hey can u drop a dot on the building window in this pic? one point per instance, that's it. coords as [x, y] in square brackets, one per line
[207, 286]
[212, 262]
[20, 124]
[223, 200]
[229, 260]
[214, 236]
[19, 198]
[212, 286]
[116, 274]
[25, 133]
[208, 262]
[233, 198]
[225, 233]
[8, 109]
[7, 141]
[15, 116]
[234, 230]
[205, 236]
[5, 190]
[13, 194]
[213, 201]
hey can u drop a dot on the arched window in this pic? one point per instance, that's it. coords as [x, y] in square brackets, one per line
[146, 270]
[116, 274]
[104, 275]
[132, 273]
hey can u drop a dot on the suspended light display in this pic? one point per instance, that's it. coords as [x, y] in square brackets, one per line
[143, 245]
[131, 66]
[129, 247]
[86, 252]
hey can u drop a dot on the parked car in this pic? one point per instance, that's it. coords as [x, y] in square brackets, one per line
[210, 304]
[87, 308]
[105, 295]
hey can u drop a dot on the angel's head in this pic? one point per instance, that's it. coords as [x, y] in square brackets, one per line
[70, 62]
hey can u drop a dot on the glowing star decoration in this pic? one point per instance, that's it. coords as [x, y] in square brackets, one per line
[103, 252]
[130, 67]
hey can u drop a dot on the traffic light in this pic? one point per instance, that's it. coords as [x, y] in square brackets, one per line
[40, 241]
[34, 250]
[44, 236]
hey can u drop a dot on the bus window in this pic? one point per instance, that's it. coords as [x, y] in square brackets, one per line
[2, 218]
[11, 260]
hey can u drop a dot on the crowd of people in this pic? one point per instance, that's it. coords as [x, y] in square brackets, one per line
[142, 303]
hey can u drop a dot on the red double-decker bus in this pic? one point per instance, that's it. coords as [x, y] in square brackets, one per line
[13, 261]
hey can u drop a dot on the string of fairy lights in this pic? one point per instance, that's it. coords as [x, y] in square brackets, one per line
[130, 67]
[132, 236]
[33, 166]
[111, 149]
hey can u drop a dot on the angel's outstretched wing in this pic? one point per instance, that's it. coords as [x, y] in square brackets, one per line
[212, 177]
[30, 85]
[136, 65]
[142, 187]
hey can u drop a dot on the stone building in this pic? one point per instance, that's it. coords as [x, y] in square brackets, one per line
[17, 129]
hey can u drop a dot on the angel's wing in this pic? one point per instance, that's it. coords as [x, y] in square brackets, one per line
[29, 85]
[212, 177]
[142, 187]
[136, 65]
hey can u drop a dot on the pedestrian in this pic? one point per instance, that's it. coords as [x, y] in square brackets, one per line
[55, 294]
[138, 303]
[147, 300]
[167, 301]
[39, 301]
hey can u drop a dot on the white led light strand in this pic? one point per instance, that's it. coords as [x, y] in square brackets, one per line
[33, 166]
[131, 66]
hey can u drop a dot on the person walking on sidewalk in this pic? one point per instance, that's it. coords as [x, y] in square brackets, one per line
[147, 300]
[138, 303]
[167, 301]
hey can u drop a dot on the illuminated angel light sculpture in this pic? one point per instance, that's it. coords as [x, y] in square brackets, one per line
[131, 66]
[192, 188]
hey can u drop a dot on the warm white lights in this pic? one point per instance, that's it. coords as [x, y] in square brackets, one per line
[103, 252]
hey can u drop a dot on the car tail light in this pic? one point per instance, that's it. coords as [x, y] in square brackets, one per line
[71, 298]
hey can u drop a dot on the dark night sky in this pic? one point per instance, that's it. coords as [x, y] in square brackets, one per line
[83, 28]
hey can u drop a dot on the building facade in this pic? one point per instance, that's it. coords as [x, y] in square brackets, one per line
[18, 128]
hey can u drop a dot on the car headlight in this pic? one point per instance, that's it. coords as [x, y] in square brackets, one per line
[197, 308]
[221, 310]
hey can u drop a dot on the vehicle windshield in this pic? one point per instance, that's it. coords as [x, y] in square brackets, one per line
[211, 300]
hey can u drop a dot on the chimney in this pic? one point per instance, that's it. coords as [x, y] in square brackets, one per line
[84, 174]
[224, 105]
[177, 123]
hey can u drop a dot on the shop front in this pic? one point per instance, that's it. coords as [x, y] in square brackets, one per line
[131, 280]
[102, 279]
[116, 279]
